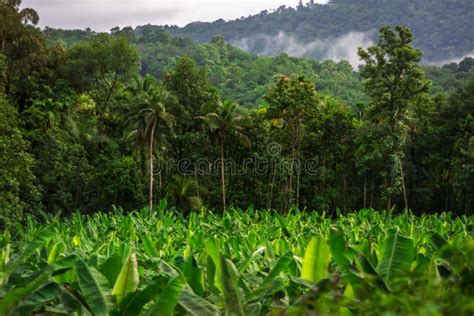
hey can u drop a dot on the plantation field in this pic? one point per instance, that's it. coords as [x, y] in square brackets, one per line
[239, 263]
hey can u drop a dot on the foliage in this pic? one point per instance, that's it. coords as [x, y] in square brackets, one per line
[394, 81]
[17, 181]
[76, 109]
[441, 28]
[237, 75]
[240, 263]
[99, 65]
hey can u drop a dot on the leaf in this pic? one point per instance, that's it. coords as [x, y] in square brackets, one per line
[349, 296]
[254, 309]
[232, 293]
[249, 259]
[94, 288]
[111, 268]
[133, 303]
[39, 298]
[12, 298]
[166, 268]
[279, 267]
[56, 252]
[437, 240]
[269, 282]
[15, 296]
[193, 275]
[397, 256]
[213, 252]
[196, 305]
[316, 260]
[127, 280]
[76, 241]
[149, 246]
[168, 299]
[70, 302]
[338, 248]
[374, 277]
[40, 239]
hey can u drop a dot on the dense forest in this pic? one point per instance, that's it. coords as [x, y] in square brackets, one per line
[442, 28]
[88, 117]
[143, 173]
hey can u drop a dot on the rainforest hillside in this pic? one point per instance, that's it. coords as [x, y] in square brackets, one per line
[245, 77]
[442, 28]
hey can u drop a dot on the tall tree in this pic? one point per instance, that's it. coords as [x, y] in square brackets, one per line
[394, 80]
[18, 192]
[290, 100]
[25, 50]
[99, 66]
[150, 119]
[225, 119]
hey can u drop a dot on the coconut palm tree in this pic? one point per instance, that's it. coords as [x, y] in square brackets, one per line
[150, 119]
[225, 118]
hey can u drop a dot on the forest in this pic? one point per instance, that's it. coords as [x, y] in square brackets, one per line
[442, 28]
[142, 172]
[81, 107]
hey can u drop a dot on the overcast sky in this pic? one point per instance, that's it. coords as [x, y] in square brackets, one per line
[102, 15]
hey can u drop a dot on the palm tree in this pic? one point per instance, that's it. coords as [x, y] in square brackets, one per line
[45, 113]
[226, 118]
[185, 190]
[150, 119]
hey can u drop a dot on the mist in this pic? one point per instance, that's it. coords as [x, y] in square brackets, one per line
[450, 60]
[337, 49]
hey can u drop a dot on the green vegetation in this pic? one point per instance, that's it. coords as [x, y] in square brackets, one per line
[442, 28]
[242, 263]
[238, 75]
[93, 124]
[209, 124]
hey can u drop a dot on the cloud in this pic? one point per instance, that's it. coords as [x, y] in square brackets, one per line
[337, 49]
[450, 60]
[102, 15]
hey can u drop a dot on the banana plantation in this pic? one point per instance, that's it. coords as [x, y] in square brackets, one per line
[238, 263]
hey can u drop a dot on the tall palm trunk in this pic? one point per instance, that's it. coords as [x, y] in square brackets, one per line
[389, 198]
[150, 165]
[298, 166]
[292, 167]
[224, 204]
[365, 190]
[402, 175]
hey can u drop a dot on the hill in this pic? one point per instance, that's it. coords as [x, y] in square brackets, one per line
[238, 75]
[244, 76]
[442, 28]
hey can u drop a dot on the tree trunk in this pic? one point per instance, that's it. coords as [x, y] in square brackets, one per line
[372, 186]
[298, 188]
[285, 190]
[298, 171]
[160, 184]
[365, 190]
[344, 201]
[293, 154]
[388, 185]
[402, 175]
[272, 180]
[150, 165]
[224, 204]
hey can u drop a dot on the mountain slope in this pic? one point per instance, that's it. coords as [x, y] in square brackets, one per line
[442, 28]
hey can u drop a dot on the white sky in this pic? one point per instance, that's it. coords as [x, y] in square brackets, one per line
[102, 15]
